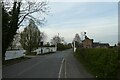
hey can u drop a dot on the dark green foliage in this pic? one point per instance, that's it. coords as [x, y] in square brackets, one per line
[61, 46]
[118, 71]
[47, 45]
[31, 53]
[100, 61]
[9, 25]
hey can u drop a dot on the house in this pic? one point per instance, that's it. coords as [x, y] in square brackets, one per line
[87, 43]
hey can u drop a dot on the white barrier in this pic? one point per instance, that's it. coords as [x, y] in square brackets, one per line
[44, 50]
[14, 54]
[20, 53]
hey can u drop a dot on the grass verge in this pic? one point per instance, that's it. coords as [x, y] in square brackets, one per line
[14, 61]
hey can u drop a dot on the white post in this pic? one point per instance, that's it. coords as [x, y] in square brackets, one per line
[56, 46]
[74, 48]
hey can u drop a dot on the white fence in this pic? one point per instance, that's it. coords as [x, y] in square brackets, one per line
[14, 54]
[20, 53]
[44, 50]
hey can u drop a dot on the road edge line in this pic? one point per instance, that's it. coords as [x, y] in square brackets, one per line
[60, 68]
[65, 70]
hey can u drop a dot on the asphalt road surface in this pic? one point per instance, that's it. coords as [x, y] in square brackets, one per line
[61, 64]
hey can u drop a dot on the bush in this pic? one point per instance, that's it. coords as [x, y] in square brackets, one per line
[101, 62]
[32, 53]
[61, 47]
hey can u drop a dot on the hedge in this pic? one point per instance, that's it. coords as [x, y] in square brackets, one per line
[102, 62]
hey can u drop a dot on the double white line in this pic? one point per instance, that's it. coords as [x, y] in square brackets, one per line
[61, 66]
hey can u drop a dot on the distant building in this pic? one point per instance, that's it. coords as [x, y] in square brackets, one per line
[100, 45]
[104, 45]
[88, 43]
[96, 45]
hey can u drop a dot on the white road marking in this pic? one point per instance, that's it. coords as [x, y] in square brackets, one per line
[65, 70]
[60, 68]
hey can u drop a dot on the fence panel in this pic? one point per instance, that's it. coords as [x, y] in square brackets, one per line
[14, 54]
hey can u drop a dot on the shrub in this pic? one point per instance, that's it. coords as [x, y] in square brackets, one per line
[61, 47]
[32, 53]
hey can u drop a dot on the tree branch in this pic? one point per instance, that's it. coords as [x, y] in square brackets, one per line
[32, 8]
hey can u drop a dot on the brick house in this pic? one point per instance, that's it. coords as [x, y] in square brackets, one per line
[88, 43]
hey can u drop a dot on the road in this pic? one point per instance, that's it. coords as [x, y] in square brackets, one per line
[61, 64]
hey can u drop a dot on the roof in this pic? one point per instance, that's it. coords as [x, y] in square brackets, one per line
[87, 38]
[96, 44]
[100, 44]
[104, 44]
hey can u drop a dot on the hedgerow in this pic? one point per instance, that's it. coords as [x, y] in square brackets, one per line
[102, 62]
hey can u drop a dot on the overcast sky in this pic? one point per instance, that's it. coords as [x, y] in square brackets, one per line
[98, 19]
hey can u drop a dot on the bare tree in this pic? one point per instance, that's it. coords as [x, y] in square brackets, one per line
[57, 39]
[14, 13]
[28, 9]
[43, 37]
[77, 40]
